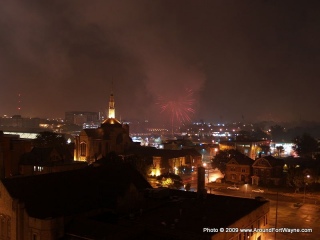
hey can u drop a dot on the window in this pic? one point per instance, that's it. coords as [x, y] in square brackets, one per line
[34, 236]
[2, 226]
[9, 227]
[83, 149]
[232, 168]
[100, 147]
[1, 229]
[268, 173]
[243, 170]
[37, 168]
[107, 147]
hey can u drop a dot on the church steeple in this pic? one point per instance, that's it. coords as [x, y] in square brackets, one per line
[112, 110]
[112, 113]
[111, 120]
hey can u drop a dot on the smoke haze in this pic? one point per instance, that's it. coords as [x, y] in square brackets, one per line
[257, 59]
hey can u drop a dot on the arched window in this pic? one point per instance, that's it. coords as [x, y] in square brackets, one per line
[83, 149]
[3, 230]
[8, 227]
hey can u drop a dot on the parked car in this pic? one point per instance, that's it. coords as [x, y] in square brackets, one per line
[258, 190]
[298, 204]
[234, 187]
[260, 199]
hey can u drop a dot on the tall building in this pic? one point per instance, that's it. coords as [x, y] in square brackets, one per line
[81, 117]
[11, 150]
[111, 136]
[17, 121]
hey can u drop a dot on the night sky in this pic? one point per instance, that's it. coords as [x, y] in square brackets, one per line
[244, 60]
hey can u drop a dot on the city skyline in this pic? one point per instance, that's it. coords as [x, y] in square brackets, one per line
[245, 60]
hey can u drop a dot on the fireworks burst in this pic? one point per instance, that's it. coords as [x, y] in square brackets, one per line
[179, 108]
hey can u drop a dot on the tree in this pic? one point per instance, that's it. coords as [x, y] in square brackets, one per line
[295, 178]
[280, 150]
[170, 180]
[278, 133]
[243, 135]
[140, 163]
[265, 149]
[259, 134]
[50, 139]
[305, 145]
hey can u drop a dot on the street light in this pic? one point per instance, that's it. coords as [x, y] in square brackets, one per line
[304, 193]
[207, 168]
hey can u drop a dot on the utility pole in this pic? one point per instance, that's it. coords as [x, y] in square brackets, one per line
[276, 222]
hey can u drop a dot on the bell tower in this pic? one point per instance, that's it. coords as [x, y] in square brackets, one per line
[112, 110]
[112, 113]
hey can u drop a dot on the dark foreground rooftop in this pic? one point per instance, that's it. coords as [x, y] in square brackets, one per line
[180, 215]
[72, 192]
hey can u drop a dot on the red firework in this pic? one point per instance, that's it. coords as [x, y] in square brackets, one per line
[179, 108]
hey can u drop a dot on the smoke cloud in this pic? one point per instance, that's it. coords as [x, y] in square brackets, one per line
[252, 59]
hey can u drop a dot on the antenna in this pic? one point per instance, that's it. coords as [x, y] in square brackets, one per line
[19, 104]
[112, 86]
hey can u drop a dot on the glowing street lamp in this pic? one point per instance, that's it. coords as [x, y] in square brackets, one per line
[205, 166]
[304, 194]
[246, 185]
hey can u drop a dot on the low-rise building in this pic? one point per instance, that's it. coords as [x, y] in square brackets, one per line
[12, 147]
[41, 160]
[248, 148]
[238, 170]
[165, 160]
[267, 170]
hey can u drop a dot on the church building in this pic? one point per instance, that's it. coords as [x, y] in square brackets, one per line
[111, 136]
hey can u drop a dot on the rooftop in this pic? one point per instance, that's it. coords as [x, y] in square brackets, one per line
[181, 215]
[66, 193]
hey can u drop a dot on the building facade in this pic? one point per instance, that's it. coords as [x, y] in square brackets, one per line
[81, 117]
[249, 148]
[11, 150]
[267, 170]
[239, 170]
